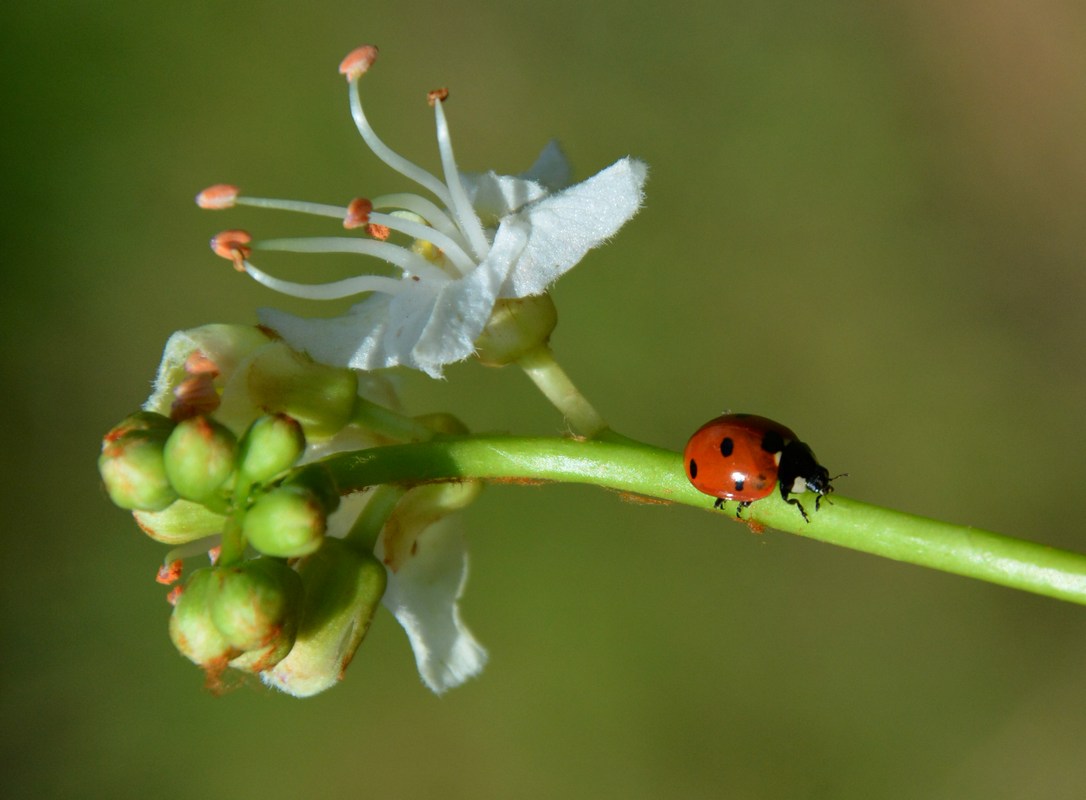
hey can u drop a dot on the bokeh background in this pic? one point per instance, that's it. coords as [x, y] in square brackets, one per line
[864, 220]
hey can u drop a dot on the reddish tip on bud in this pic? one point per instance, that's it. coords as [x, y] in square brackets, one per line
[381, 232]
[358, 61]
[195, 396]
[233, 246]
[219, 196]
[437, 96]
[174, 595]
[199, 364]
[213, 554]
[169, 573]
[358, 213]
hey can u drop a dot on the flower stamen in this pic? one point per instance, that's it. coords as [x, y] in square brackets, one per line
[466, 218]
[408, 169]
[219, 196]
[233, 245]
[358, 213]
[393, 254]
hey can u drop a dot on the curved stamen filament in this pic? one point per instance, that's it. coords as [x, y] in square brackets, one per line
[466, 218]
[437, 218]
[393, 254]
[328, 291]
[300, 206]
[391, 157]
[452, 250]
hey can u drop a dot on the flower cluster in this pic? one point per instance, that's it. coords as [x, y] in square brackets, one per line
[224, 458]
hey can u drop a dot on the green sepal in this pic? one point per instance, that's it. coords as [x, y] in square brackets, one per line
[343, 588]
[320, 397]
[516, 326]
[181, 522]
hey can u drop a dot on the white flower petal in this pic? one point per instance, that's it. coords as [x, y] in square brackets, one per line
[378, 332]
[495, 196]
[464, 306]
[418, 327]
[567, 225]
[423, 596]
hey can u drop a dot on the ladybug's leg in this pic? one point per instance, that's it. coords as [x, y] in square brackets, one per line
[793, 501]
[740, 506]
[719, 504]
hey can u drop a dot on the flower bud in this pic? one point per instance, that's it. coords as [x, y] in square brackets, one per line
[251, 602]
[180, 523]
[517, 326]
[200, 456]
[319, 397]
[192, 630]
[288, 521]
[132, 465]
[271, 446]
[343, 588]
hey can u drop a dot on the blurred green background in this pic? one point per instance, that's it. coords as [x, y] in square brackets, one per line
[864, 221]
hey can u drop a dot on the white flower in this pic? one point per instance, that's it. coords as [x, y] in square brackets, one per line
[487, 237]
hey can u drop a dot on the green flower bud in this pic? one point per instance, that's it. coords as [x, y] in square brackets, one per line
[200, 456]
[251, 602]
[132, 464]
[343, 588]
[516, 327]
[192, 630]
[320, 397]
[288, 521]
[180, 523]
[270, 446]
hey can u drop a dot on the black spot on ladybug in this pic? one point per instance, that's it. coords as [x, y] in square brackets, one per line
[772, 442]
[693, 468]
[726, 446]
[739, 486]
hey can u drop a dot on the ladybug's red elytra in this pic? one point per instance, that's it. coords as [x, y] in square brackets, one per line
[743, 456]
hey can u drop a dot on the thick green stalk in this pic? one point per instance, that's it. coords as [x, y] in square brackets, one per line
[640, 469]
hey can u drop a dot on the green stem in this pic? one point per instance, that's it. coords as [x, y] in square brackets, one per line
[640, 469]
[373, 417]
[367, 528]
[547, 374]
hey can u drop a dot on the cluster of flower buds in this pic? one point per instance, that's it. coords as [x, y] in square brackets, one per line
[224, 459]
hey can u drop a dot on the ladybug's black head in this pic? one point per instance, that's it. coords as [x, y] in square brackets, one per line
[799, 471]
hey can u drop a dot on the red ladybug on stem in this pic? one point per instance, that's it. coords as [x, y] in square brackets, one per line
[742, 457]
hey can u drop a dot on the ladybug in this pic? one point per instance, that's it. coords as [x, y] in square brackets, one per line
[743, 456]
